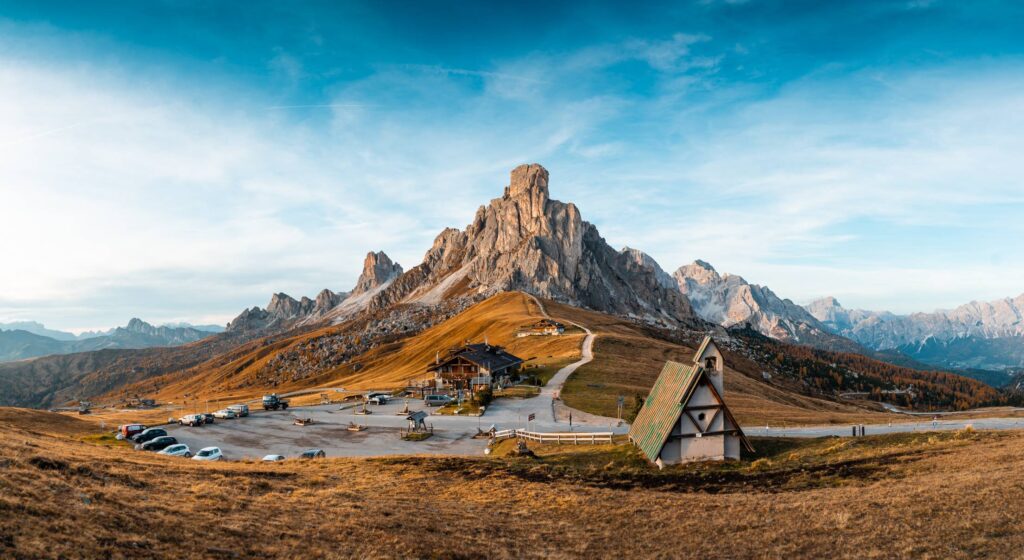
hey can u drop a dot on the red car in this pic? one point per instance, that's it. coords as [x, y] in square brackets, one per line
[130, 430]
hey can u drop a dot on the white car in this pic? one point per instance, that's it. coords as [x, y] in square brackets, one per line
[378, 398]
[225, 414]
[273, 458]
[208, 454]
[177, 450]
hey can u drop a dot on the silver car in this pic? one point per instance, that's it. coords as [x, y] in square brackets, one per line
[176, 450]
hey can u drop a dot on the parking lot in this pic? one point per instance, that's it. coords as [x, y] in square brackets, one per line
[274, 432]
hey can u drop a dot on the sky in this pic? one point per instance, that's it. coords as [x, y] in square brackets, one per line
[181, 161]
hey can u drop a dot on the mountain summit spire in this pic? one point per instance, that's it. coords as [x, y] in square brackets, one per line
[529, 186]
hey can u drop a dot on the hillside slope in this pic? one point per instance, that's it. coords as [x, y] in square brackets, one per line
[388, 361]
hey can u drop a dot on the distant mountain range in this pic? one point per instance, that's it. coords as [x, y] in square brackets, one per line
[978, 335]
[21, 343]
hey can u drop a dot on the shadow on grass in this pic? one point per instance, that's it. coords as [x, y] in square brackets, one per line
[779, 464]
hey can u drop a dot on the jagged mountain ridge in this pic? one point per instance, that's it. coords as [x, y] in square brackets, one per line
[974, 335]
[729, 300]
[526, 241]
[284, 311]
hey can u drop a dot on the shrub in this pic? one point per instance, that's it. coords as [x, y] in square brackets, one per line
[484, 396]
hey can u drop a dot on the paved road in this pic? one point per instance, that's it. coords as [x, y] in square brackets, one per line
[893, 428]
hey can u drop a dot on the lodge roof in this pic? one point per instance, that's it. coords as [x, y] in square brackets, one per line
[494, 358]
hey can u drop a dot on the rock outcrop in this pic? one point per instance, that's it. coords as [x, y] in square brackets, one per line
[528, 242]
[378, 269]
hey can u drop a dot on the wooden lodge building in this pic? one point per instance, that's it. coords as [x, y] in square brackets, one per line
[685, 417]
[544, 327]
[472, 366]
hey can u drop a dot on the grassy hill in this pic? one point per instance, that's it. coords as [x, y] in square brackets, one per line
[70, 492]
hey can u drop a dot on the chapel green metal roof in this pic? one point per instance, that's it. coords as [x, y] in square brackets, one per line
[662, 408]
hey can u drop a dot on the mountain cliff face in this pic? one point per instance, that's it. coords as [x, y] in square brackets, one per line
[528, 242]
[975, 335]
[729, 300]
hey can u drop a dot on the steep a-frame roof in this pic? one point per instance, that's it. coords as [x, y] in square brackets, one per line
[664, 406]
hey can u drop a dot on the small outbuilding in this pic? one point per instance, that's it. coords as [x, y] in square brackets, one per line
[417, 421]
[685, 417]
[544, 327]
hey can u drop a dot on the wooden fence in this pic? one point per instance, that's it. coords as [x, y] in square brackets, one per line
[556, 437]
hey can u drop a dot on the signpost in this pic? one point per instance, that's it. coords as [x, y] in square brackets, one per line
[529, 419]
[622, 402]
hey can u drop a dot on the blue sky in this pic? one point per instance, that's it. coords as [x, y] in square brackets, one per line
[181, 161]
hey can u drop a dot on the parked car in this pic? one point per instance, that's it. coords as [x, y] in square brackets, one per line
[191, 420]
[157, 444]
[208, 418]
[273, 458]
[313, 454]
[225, 414]
[378, 398]
[130, 430]
[208, 454]
[148, 434]
[176, 450]
[241, 410]
[437, 400]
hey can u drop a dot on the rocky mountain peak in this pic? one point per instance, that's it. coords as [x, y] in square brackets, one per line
[828, 302]
[639, 260]
[529, 186]
[283, 305]
[378, 269]
[699, 272]
[137, 325]
[528, 242]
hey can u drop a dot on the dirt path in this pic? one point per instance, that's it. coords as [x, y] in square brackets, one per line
[559, 411]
